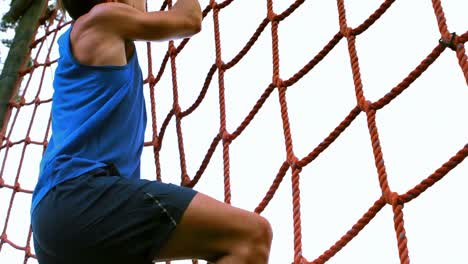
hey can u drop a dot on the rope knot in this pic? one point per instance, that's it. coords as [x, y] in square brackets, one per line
[17, 187]
[220, 64]
[37, 101]
[151, 80]
[17, 102]
[13, 104]
[28, 251]
[449, 43]
[272, 16]
[213, 4]
[366, 106]
[172, 50]
[347, 32]
[177, 110]
[186, 181]
[2, 181]
[278, 82]
[155, 142]
[294, 164]
[27, 140]
[226, 136]
[34, 43]
[392, 198]
[24, 72]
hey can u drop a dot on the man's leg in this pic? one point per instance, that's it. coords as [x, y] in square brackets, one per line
[220, 233]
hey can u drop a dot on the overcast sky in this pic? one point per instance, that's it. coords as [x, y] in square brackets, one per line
[4, 35]
[419, 131]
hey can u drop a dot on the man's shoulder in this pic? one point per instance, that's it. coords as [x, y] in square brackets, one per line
[107, 11]
[94, 45]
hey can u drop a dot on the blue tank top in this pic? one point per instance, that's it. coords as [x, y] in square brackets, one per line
[98, 118]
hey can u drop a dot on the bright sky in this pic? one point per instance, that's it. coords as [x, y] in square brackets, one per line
[419, 131]
[4, 35]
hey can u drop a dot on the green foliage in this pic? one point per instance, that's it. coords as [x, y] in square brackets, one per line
[7, 42]
[6, 24]
[30, 63]
[17, 99]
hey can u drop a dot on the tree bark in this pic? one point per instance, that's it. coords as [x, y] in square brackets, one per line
[19, 55]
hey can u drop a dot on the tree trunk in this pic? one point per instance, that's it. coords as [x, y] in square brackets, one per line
[18, 56]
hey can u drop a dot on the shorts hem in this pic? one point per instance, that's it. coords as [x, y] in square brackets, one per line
[158, 242]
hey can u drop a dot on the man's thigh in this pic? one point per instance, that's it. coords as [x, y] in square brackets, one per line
[208, 230]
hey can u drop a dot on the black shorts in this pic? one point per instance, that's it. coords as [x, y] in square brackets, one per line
[103, 218]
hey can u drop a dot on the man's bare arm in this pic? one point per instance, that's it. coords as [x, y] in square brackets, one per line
[189, 7]
[183, 20]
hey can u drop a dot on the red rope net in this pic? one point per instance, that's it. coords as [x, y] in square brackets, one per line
[34, 77]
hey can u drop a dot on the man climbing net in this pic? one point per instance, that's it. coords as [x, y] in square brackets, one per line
[90, 205]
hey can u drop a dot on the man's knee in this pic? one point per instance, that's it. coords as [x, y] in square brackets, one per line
[265, 236]
[263, 233]
[256, 247]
